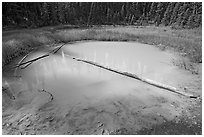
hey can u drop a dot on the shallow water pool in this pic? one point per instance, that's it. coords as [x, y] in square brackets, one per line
[72, 82]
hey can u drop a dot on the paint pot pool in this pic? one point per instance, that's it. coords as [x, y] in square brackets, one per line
[71, 81]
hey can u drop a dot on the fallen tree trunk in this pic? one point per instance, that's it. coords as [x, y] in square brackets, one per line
[148, 81]
[23, 58]
[21, 62]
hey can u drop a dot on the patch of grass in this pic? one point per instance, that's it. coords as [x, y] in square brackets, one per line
[92, 34]
[191, 48]
[187, 41]
[18, 44]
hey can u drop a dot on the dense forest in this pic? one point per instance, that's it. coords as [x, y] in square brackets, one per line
[35, 14]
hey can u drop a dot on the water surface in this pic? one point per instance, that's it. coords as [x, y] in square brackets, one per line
[73, 82]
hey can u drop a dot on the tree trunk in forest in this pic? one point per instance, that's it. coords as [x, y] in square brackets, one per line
[89, 17]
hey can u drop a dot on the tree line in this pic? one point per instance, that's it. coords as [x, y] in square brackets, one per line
[37, 14]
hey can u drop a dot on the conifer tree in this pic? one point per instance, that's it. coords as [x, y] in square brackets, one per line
[54, 14]
[61, 13]
[45, 14]
[115, 18]
[175, 12]
[179, 20]
[90, 13]
[166, 17]
[122, 11]
[198, 20]
[108, 17]
[190, 22]
[132, 20]
[152, 11]
[158, 13]
[186, 16]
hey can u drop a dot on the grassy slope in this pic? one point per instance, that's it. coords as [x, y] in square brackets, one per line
[20, 42]
[16, 43]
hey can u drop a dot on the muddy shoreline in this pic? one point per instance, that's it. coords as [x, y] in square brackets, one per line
[46, 122]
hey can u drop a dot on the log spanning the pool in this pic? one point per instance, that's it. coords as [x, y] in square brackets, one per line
[148, 81]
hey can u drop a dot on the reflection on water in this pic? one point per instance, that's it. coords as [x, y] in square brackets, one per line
[70, 81]
[144, 60]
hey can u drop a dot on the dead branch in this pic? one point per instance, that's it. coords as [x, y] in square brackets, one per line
[43, 56]
[35, 59]
[57, 49]
[26, 65]
[25, 57]
[148, 81]
[21, 62]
